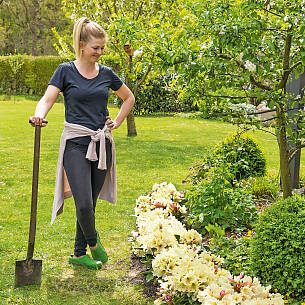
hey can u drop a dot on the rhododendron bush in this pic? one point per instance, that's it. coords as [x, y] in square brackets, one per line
[182, 266]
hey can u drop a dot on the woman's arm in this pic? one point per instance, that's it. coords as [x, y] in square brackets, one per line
[125, 94]
[44, 105]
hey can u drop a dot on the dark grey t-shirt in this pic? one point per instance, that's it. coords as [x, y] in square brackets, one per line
[85, 99]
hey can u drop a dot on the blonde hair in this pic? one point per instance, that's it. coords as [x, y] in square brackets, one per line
[84, 30]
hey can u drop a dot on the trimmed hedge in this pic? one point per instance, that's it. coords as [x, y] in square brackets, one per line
[277, 253]
[34, 72]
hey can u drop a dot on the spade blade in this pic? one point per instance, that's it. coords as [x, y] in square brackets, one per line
[28, 272]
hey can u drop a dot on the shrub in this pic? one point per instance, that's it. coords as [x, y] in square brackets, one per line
[277, 250]
[245, 157]
[160, 96]
[216, 201]
[241, 153]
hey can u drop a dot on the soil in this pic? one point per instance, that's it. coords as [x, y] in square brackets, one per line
[136, 276]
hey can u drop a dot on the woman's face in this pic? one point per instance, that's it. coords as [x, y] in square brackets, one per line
[93, 49]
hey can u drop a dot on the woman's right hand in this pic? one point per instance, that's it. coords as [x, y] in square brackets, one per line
[35, 120]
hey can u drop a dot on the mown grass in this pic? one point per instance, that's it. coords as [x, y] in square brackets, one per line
[163, 151]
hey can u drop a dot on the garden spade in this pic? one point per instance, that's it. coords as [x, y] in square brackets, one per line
[28, 271]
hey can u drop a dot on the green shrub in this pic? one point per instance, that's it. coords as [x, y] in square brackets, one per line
[216, 201]
[277, 250]
[241, 153]
[159, 96]
[245, 157]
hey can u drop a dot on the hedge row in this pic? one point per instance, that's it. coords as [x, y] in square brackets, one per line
[24, 74]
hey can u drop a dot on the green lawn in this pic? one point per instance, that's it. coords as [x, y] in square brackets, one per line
[163, 151]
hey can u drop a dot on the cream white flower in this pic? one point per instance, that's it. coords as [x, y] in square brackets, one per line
[179, 262]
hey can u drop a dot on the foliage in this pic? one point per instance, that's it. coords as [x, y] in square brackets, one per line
[159, 96]
[277, 249]
[15, 64]
[241, 155]
[265, 187]
[215, 200]
[250, 47]
[244, 156]
[234, 251]
[26, 25]
[33, 74]
[155, 31]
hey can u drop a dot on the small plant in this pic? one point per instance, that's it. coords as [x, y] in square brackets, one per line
[263, 187]
[235, 252]
[277, 249]
[216, 201]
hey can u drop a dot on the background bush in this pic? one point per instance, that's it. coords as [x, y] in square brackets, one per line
[160, 96]
[277, 250]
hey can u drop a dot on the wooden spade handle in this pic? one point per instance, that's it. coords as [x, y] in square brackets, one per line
[32, 232]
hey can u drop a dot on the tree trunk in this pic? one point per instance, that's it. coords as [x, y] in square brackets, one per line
[131, 125]
[284, 157]
[34, 44]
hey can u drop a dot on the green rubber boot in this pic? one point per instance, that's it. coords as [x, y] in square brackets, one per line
[99, 254]
[85, 261]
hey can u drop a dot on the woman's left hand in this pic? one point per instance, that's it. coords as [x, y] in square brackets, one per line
[112, 124]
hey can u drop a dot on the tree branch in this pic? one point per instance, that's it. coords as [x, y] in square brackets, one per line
[228, 96]
[259, 84]
[261, 129]
[270, 29]
[294, 150]
[140, 10]
[252, 79]
[275, 117]
[140, 82]
[294, 66]
[286, 56]
[273, 13]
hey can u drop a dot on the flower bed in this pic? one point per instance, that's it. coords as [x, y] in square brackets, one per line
[185, 271]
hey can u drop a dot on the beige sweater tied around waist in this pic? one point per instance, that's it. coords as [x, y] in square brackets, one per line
[62, 188]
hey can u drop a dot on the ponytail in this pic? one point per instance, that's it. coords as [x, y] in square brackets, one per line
[84, 30]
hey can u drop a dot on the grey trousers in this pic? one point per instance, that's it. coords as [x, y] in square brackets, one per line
[86, 181]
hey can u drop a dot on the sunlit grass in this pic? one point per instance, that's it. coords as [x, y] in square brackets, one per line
[163, 151]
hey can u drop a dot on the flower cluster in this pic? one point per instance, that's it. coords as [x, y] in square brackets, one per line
[164, 196]
[183, 268]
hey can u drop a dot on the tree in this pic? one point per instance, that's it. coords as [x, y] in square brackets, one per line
[154, 29]
[25, 26]
[252, 47]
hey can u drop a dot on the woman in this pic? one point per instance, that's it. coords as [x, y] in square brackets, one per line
[87, 155]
